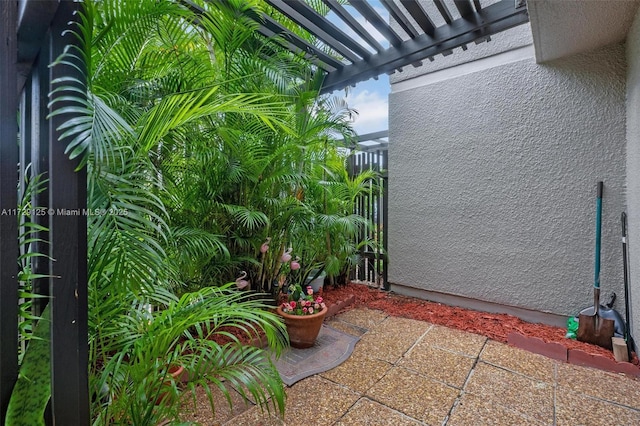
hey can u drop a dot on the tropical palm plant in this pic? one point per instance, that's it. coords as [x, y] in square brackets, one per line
[153, 98]
[240, 181]
[133, 384]
[199, 142]
[332, 238]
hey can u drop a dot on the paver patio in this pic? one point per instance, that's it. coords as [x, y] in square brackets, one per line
[407, 372]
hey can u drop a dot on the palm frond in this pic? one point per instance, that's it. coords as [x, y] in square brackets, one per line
[181, 335]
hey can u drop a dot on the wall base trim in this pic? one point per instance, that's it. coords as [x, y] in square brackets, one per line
[528, 315]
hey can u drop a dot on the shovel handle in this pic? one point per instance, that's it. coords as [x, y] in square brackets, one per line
[596, 280]
[625, 270]
[600, 189]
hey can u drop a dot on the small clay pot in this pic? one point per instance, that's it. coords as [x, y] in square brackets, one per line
[303, 329]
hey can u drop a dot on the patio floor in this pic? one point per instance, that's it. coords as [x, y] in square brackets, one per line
[408, 372]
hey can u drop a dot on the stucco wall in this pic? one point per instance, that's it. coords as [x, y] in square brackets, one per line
[492, 181]
[510, 39]
[633, 169]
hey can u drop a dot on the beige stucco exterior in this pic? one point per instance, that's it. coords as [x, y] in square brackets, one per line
[494, 162]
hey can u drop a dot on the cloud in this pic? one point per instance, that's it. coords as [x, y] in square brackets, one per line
[384, 14]
[374, 32]
[373, 109]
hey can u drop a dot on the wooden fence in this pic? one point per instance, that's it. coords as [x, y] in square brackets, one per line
[371, 268]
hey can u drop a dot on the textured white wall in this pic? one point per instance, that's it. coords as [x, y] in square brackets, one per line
[507, 40]
[633, 169]
[492, 182]
[563, 28]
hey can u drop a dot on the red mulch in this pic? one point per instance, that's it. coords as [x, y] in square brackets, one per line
[494, 326]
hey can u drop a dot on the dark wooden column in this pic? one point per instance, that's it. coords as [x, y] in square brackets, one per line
[383, 225]
[68, 243]
[8, 203]
[40, 165]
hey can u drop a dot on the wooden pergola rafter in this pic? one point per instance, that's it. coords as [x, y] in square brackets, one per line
[346, 53]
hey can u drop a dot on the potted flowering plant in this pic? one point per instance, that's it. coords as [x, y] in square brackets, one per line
[299, 303]
[303, 315]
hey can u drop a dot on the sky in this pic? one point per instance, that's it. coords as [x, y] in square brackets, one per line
[369, 98]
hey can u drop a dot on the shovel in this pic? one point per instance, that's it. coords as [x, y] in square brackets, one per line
[592, 328]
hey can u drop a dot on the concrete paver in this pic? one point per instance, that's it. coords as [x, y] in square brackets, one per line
[448, 367]
[407, 372]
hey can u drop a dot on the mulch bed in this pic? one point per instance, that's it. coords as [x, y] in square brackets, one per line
[493, 326]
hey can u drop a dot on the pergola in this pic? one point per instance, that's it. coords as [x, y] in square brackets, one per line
[347, 53]
[33, 34]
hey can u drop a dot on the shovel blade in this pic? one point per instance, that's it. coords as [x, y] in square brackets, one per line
[595, 330]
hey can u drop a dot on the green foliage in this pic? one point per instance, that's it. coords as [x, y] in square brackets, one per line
[151, 107]
[31, 249]
[200, 142]
[33, 388]
[140, 344]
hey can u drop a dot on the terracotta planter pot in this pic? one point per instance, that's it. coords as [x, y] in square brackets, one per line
[303, 329]
[178, 374]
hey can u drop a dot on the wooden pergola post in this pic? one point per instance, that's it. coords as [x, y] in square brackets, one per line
[8, 202]
[68, 251]
[29, 41]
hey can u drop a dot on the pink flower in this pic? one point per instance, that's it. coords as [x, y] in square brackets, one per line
[306, 303]
[295, 265]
